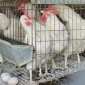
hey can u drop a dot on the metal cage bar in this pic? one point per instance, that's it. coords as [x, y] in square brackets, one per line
[43, 38]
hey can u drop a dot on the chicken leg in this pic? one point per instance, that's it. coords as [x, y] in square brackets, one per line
[31, 81]
[40, 72]
[54, 67]
[46, 72]
[71, 49]
[79, 61]
[30, 77]
[45, 60]
[1, 58]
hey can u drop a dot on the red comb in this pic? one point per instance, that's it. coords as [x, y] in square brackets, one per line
[21, 6]
[28, 23]
[51, 9]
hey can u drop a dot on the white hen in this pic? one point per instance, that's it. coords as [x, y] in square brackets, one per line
[4, 23]
[37, 36]
[76, 30]
[57, 30]
[15, 30]
[41, 45]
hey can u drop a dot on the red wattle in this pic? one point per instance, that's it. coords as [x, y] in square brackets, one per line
[43, 18]
[28, 23]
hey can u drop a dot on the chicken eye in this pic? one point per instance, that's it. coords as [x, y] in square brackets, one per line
[25, 18]
[22, 5]
[48, 13]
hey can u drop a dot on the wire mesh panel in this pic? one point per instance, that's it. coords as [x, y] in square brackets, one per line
[58, 1]
[56, 32]
[17, 54]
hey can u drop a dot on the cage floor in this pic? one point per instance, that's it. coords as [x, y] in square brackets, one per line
[23, 74]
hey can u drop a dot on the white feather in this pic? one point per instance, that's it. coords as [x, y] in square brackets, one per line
[40, 39]
[58, 33]
[15, 30]
[75, 27]
[4, 23]
[1, 59]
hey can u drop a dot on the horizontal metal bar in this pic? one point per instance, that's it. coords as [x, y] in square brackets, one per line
[58, 1]
[7, 4]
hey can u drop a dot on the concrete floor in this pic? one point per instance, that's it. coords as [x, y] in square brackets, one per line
[74, 79]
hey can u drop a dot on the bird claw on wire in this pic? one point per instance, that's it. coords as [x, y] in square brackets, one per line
[48, 75]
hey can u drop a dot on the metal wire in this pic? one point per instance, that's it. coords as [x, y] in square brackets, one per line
[17, 33]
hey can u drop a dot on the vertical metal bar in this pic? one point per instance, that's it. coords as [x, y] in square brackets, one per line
[35, 40]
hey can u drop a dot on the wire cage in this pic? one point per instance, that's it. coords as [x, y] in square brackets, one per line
[54, 29]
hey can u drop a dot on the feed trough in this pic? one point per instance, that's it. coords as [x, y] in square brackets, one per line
[15, 52]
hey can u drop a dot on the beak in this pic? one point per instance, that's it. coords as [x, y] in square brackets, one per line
[18, 8]
[48, 13]
[42, 11]
[30, 20]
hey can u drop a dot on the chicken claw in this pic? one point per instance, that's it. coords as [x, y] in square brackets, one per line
[54, 67]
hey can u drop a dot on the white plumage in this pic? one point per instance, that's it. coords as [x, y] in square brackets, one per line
[76, 30]
[1, 58]
[14, 30]
[4, 23]
[57, 30]
[37, 36]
